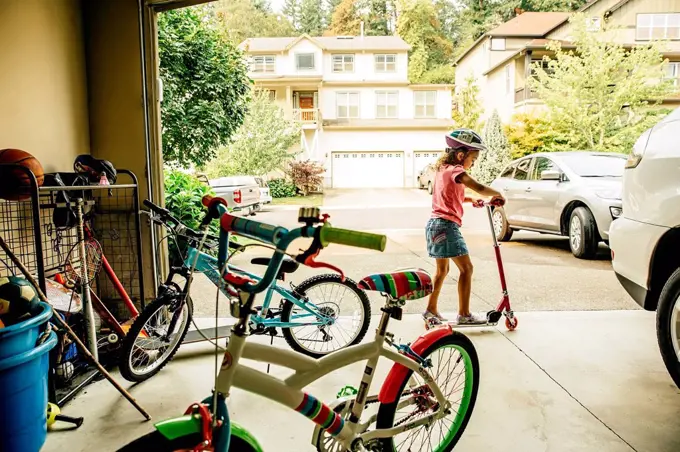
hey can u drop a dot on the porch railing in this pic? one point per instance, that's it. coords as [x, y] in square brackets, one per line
[522, 94]
[306, 115]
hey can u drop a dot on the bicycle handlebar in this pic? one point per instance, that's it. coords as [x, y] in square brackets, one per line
[281, 238]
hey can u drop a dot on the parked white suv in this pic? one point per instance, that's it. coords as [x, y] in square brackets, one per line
[645, 240]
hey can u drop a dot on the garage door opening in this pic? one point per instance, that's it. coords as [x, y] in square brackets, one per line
[367, 169]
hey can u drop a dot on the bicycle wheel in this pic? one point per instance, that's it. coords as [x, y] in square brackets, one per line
[455, 368]
[156, 442]
[346, 303]
[143, 355]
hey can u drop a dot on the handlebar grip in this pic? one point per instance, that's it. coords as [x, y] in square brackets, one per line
[253, 229]
[357, 239]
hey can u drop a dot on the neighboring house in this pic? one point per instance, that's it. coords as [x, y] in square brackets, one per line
[501, 59]
[361, 116]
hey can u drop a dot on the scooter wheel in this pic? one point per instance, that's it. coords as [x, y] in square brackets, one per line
[511, 324]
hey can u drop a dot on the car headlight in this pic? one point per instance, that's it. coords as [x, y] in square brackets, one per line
[638, 150]
[609, 194]
[616, 212]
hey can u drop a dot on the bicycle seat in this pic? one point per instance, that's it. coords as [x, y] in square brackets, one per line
[287, 266]
[409, 284]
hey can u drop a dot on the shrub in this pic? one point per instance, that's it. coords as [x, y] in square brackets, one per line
[306, 175]
[282, 188]
[183, 194]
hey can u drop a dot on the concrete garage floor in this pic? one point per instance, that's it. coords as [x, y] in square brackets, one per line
[564, 381]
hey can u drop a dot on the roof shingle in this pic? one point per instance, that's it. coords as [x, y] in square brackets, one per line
[530, 24]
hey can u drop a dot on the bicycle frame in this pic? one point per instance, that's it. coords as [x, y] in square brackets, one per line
[307, 370]
[208, 265]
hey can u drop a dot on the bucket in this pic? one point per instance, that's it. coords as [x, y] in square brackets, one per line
[21, 337]
[23, 398]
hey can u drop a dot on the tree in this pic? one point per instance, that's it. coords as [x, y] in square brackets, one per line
[331, 6]
[205, 85]
[529, 133]
[262, 143]
[601, 94]
[417, 24]
[242, 19]
[345, 20]
[377, 19]
[291, 11]
[468, 109]
[311, 17]
[497, 155]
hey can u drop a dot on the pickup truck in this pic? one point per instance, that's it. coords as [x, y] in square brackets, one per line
[242, 193]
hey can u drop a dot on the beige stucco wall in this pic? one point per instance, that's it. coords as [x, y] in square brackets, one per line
[43, 95]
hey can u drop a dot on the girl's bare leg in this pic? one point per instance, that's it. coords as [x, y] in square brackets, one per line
[439, 277]
[464, 283]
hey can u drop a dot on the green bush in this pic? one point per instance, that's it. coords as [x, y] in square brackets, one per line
[183, 194]
[282, 188]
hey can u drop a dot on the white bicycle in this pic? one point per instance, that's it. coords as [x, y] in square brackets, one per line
[425, 402]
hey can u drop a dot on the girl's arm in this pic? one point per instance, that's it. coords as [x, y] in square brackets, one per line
[482, 189]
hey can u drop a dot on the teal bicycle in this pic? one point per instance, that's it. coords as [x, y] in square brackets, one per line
[322, 314]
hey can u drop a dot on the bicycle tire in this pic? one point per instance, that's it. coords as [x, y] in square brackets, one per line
[156, 442]
[310, 283]
[129, 340]
[387, 411]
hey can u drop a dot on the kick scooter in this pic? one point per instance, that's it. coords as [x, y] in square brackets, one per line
[503, 308]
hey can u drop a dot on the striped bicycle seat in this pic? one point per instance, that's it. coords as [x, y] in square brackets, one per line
[409, 284]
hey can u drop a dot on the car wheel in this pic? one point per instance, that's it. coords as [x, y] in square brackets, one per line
[668, 325]
[501, 227]
[429, 187]
[583, 235]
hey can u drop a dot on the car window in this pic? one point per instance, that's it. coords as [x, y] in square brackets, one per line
[542, 164]
[522, 171]
[589, 165]
[509, 170]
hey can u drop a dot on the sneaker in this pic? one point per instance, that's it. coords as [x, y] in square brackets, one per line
[431, 320]
[472, 319]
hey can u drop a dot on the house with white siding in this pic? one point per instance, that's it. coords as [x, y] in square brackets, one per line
[501, 60]
[360, 115]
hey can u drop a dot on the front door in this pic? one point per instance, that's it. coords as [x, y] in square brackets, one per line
[306, 103]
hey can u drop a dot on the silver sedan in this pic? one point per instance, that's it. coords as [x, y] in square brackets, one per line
[574, 194]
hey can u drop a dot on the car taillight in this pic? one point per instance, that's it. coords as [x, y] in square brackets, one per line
[237, 196]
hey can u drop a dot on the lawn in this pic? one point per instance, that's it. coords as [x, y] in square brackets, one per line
[313, 200]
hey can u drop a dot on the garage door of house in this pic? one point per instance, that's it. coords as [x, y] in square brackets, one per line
[367, 169]
[420, 160]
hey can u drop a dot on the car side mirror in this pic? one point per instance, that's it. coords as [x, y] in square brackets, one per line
[551, 175]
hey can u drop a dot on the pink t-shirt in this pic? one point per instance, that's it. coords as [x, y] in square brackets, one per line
[448, 194]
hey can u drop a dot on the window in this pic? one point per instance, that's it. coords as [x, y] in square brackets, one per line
[263, 63]
[497, 43]
[304, 61]
[507, 172]
[657, 26]
[271, 93]
[673, 73]
[593, 23]
[522, 171]
[425, 103]
[386, 63]
[343, 63]
[387, 104]
[508, 79]
[347, 105]
[542, 164]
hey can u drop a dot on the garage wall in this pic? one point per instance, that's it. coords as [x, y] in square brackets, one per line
[43, 90]
[380, 140]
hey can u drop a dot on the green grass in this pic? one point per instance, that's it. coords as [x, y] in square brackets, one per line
[313, 200]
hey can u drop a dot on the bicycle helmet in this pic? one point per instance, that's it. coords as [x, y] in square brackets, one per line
[464, 140]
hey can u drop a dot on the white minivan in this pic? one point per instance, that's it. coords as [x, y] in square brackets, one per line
[645, 239]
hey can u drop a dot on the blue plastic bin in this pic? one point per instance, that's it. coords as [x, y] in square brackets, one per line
[18, 338]
[23, 397]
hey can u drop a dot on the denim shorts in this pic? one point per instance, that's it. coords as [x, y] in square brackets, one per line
[444, 239]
